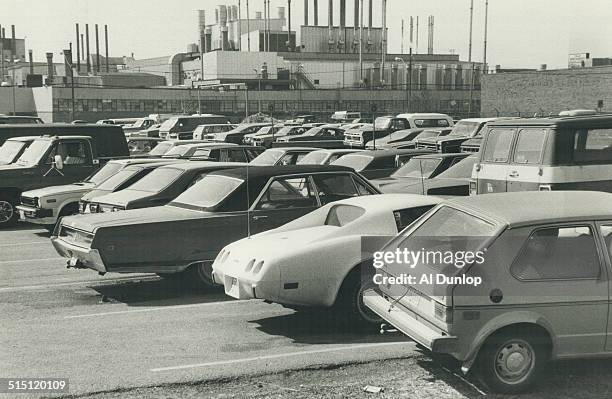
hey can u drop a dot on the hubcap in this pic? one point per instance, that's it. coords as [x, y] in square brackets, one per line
[6, 211]
[365, 312]
[514, 362]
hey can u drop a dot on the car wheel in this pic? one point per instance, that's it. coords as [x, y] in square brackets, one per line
[511, 362]
[349, 303]
[8, 213]
[201, 274]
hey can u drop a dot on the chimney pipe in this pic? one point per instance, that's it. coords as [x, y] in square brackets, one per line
[87, 47]
[97, 51]
[50, 67]
[316, 13]
[106, 46]
[306, 12]
[78, 49]
[31, 62]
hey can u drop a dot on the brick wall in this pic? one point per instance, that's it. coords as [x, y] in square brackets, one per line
[528, 93]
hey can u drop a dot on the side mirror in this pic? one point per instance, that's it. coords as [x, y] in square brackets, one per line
[58, 162]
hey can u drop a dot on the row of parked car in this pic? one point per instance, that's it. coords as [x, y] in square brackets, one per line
[294, 234]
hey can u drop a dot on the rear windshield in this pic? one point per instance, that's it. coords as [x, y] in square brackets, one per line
[208, 192]
[341, 215]
[313, 158]
[418, 167]
[160, 149]
[431, 123]
[118, 179]
[107, 171]
[462, 169]
[157, 180]
[357, 162]
[464, 129]
[178, 151]
[268, 157]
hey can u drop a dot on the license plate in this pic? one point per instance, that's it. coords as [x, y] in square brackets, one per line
[233, 289]
[22, 214]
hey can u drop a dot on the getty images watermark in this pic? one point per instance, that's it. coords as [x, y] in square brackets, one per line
[445, 261]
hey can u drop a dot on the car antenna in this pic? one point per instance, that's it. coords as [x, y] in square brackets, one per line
[248, 203]
[422, 179]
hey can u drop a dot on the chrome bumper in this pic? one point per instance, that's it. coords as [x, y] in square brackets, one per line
[415, 329]
[79, 257]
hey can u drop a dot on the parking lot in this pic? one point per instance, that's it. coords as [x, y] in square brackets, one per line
[116, 333]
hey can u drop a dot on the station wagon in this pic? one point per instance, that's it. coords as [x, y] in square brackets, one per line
[545, 283]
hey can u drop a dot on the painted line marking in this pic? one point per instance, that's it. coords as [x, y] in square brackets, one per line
[67, 284]
[279, 356]
[193, 305]
[24, 243]
[2, 262]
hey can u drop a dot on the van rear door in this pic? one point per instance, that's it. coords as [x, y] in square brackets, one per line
[491, 172]
[525, 164]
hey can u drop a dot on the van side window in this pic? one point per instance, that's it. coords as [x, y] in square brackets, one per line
[497, 147]
[529, 146]
[593, 145]
[558, 253]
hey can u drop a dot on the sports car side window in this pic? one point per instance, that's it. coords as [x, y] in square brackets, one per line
[286, 193]
[558, 253]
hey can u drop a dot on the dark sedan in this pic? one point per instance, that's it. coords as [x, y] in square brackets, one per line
[159, 187]
[187, 234]
[378, 163]
[455, 181]
[281, 156]
[326, 136]
[420, 168]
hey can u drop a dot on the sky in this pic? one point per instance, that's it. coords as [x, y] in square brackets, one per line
[522, 33]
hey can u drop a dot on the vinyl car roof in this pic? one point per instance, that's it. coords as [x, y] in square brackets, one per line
[271, 171]
[438, 155]
[392, 152]
[196, 165]
[560, 121]
[536, 207]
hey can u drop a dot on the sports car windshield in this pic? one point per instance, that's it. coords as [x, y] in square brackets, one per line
[118, 179]
[157, 180]
[268, 157]
[464, 129]
[160, 149]
[208, 192]
[418, 167]
[357, 162]
[107, 171]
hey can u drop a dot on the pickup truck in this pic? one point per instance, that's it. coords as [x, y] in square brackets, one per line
[51, 161]
[463, 131]
[386, 125]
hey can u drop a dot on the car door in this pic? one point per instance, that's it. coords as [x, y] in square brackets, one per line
[563, 278]
[524, 169]
[605, 230]
[283, 200]
[77, 162]
[491, 172]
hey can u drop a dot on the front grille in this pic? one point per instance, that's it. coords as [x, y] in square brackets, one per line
[470, 148]
[27, 201]
[427, 146]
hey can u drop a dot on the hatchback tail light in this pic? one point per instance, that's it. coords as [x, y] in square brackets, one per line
[473, 187]
[443, 313]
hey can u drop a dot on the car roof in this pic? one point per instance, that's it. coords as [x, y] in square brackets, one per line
[196, 165]
[385, 202]
[392, 152]
[337, 150]
[561, 121]
[134, 161]
[271, 171]
[534, 207]
[424, 115]
[437, 155]
[153, 165]
[207, 144]
[184, 142]
[479, 120]
[287, 149]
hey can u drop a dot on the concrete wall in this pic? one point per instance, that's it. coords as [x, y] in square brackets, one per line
[528, 93]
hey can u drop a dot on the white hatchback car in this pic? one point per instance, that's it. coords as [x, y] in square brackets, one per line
[316, 260]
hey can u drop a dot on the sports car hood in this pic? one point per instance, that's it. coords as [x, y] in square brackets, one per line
[91, 222]
[123, 197]
[75, 188]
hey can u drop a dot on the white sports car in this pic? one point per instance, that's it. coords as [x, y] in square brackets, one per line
[316, 260]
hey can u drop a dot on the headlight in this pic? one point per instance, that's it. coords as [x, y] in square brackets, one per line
[82, 206]
[94, 208]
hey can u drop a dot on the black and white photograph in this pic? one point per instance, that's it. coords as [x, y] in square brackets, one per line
[306, 199]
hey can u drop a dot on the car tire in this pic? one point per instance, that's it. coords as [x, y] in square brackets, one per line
[512, 361]
[349, 305]
[8, 213]
[201, 275]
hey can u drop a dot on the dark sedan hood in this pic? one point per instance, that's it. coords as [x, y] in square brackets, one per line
[123, 197]
[412, 186]
[91, 222]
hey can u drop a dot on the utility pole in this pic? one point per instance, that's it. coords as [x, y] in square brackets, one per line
[239, 26]
[484, 58]
[106, 46]
[360, 43]
[248, 27]
[384, 42]
[78, 48]
[471, 24]
[402, 48]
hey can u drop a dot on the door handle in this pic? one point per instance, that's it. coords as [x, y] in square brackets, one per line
[514, 173]
[260, 217]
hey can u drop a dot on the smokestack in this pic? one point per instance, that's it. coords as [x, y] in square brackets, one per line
[430, 44]
[78, 49]
[316, 13]
[384, 42]
[471, 25]
[201, 29]
[13, 32]
[87, 47]
[224, 41]
[417, 35]
[97, 51]
[306, 12]
[106, 46]
[207, 40]
[289, 44]
[13, 43]
[50, 67]
[370, 14]
[266, 22]
[342, 13]
[484, 56]
[3, 33]
[30, 57]
[330, 16]
[356, 19]
[82, 48]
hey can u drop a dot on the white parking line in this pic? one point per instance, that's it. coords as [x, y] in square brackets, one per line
[24, 243]
[278, 356]
[193, 305]
[2, 262]
[71, 283]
